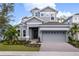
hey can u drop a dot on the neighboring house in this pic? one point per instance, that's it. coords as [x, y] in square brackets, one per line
[43, 24]
[72, 19]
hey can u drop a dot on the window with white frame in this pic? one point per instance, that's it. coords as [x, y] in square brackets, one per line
[37, 14]
[42, 14]
[24, 33]
[18, 32]
[52, 18]
[75, 18]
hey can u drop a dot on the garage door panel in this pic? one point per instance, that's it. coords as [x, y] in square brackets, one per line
[53, 36]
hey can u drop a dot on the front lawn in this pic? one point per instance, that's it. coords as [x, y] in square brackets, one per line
[17, 48]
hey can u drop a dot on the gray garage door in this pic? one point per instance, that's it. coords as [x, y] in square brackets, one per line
[53, 36]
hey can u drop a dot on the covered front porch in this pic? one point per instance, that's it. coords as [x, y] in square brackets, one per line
[32, 33]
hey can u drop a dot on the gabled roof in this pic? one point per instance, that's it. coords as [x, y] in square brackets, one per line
[36, 18]
[68, 19]
[25, 17]
[35, 9]
[21, 24]
[49, 8]
[76, 14]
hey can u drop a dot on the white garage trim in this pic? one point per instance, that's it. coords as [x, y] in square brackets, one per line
[54, 29]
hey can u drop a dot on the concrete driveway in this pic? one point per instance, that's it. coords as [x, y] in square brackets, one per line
[57, 47]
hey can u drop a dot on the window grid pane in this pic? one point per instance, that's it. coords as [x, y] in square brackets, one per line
[18, 32]
[24, 32]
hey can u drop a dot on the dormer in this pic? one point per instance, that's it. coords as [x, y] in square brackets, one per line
[35, 12]
[48, 14]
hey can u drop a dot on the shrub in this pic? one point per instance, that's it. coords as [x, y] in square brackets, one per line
[2, 41]
[34, 45]
[14, 42]
[73, 42]
[5, 43]
[70, 39]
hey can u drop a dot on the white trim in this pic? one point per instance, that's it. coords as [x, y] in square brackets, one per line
[27, 36]
[58, 29]
[61, 26]
[34, 23]
[35, 17]
[49, 8]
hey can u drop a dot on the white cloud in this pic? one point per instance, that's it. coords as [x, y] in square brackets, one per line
[38, 1]
[43, 5]
[39, 5]
[67, 14]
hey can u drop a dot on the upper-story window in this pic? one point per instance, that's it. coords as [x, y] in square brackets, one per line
[37, 14]
[76, 18]
[52, 18]
[42, 14]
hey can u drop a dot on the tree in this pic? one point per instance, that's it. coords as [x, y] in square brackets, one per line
[11, 34]
[62, 18]
[6, 10]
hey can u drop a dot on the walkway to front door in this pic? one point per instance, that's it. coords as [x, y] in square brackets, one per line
[57, 47]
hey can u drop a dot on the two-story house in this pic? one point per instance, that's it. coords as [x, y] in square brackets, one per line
[43, 24]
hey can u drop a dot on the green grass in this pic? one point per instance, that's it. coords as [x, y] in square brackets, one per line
[17, 48]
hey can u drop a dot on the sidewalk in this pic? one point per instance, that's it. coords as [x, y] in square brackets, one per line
[23, 53]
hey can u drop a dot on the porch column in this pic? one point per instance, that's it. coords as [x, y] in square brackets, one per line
[40, 35]
[20, 37]
[27, 33]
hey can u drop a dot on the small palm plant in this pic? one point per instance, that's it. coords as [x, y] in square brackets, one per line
[74, 32]
[10, 34]
[75, 29]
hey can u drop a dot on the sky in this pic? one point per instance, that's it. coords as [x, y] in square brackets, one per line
[23, 9]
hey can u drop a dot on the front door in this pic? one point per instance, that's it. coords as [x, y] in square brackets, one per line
[35, 33]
